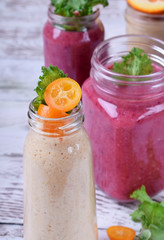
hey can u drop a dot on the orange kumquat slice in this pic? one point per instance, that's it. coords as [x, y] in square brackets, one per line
[51, 126]
[48, 112]
[63, 94]
[120, 233]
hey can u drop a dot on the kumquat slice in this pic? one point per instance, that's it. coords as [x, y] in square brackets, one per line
[48, 112]
[63, 94]
[120, 233]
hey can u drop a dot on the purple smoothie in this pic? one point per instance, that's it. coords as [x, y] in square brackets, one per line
[71, 51]
[127, 138]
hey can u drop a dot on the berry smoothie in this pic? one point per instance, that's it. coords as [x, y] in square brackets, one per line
[71, 51]
[127, 140]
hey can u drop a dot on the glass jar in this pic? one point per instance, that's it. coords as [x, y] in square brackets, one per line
[144, 23]
[59, 195]
[128, 111]
[69, 42]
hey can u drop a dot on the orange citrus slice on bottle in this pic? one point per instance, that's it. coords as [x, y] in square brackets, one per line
[148, 6]
[51, 126]
[48, 112]
[63, 94]
[120, 233]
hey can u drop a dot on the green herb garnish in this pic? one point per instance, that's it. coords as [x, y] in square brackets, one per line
[145, 235]
[151, 214]
[49, 75]
[69, 8]
[135, 63]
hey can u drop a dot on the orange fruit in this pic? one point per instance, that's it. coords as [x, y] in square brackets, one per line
[63, 94]
[48, 112]
[51, 126]
[148, 6]
[120, 233]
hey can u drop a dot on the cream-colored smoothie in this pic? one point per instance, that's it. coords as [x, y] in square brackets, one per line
[59, 187]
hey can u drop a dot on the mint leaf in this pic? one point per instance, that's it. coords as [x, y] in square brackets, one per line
[49, 75]
[150, 214]
[135, 63]
[68, 8]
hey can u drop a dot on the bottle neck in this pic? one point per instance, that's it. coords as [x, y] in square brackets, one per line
[57, 127]
[76, 23]
[124, 86]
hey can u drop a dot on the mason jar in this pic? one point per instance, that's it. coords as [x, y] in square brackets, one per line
[124, 117]
[69, 42]
[144, 23]
[59, 199]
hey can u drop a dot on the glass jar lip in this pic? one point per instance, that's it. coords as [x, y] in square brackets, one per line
[73, 23]
[58, 17]
[74, 113]
[104, 70]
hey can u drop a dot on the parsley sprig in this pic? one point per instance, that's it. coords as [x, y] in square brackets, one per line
[150, 214]
[68, 8]
[49, 75]
[135, 63]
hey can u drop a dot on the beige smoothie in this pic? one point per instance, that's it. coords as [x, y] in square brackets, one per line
[59, 188]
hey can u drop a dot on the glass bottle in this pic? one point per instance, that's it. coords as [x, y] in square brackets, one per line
[59, 195]
[144, 23]
[128, 111]
[69, 42]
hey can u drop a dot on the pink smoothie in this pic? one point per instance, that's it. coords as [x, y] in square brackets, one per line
[127, 141]
[71, 51]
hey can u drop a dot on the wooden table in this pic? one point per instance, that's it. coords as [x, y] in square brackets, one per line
[21, 58]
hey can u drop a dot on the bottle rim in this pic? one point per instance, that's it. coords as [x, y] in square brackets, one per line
[56, 126]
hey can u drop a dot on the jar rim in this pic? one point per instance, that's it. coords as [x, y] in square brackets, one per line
[93, 15]
[97, 64]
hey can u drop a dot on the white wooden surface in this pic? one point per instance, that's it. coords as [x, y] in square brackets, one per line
[21, 57]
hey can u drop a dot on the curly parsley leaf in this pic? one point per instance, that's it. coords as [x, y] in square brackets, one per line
[135, 63]
[141, 195]
[150, 214]
[68, 8]
[49, 75]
